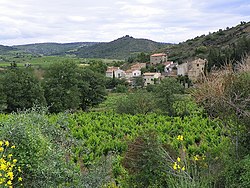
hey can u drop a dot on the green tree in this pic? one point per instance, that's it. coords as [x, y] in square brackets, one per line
[165, 94]
[138, 82]
[98, 66]
[61, 86]
[21, 89]
[3, 98]
[92, 88]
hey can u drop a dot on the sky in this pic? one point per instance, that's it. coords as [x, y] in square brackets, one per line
[174, 21]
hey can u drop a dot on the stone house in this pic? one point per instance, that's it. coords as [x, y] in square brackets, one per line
[158, 58]
[193, 69]
[151, 78]
[197, 68]
[115, 72]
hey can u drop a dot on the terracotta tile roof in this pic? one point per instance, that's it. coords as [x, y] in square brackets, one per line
[111, 69]
[160, 54]
[150, 73]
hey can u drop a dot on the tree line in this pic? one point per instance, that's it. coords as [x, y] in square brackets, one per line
[63, 86]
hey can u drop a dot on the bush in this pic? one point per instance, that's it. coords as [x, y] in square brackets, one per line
[41, 160]
[145, 162]
[238, 174]
[140, 102]
[165, 94]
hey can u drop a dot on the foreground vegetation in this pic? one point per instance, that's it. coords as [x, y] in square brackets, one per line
[66, 149]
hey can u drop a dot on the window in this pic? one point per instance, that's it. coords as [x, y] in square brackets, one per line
[197, 65]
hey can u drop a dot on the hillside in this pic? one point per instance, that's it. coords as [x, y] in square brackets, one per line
[201, 45]
[52, 48]
[120, 48]
[6, 49]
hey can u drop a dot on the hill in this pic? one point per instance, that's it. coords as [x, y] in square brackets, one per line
[52, 48]
[120, 48]
[6, 49]
[201, 46]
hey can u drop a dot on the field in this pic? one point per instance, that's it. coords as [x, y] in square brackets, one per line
[42, 61]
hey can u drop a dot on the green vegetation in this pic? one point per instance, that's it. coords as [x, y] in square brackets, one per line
[49, 49]
[160, 136]
[120, 48]
[65, 86]
[20, 90]
[220, 48]
[74, 143]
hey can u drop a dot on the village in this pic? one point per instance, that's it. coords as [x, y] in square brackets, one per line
[192, 69]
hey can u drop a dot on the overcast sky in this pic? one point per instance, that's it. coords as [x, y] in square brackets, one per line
[35, 21]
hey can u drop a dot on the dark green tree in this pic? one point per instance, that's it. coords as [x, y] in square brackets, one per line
[21, 89]
[61, 87]
[98, 66]
[92, 88]
[165, 94]
[138, 82]
[3, 98]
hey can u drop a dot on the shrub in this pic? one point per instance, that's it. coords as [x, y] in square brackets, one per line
[145, 162]
[165, 94]
[42, 162]
[140, 102]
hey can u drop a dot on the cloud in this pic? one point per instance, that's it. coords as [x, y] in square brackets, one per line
[76, 20]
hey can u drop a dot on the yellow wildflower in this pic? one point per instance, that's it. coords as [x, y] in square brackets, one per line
[196, 158]
[179, 159]
[7, 143]
[9, 182]
[1, 143]
[13, 147]
[1, 149]
[180, 137]
[20, 179]
[10, 155]
[183, 168]
[11, 175]
[14, 160]
[3, 167]
[175, 166]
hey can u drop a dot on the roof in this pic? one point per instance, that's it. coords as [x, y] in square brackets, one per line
[131, 70]
[138, 66]
[112, 69]
[168, 63]
[160, 54]
[150, 73]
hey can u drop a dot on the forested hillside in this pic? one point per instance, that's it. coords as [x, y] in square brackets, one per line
[52, 48]
[119, 49]
[6, 49]
[222, 44]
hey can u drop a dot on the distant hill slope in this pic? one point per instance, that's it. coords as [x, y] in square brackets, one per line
[6, 49]
[120, 48]
[52, 48]
[200, 46]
